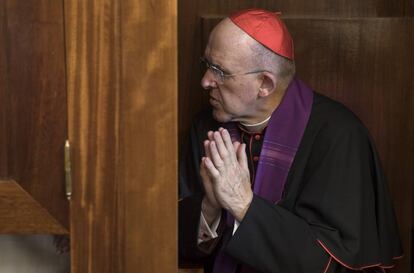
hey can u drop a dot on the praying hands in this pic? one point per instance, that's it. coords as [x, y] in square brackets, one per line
[225, 176]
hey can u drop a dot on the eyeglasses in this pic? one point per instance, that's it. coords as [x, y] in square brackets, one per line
[220, 75]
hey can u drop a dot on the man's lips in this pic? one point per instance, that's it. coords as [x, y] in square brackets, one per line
[213, 100]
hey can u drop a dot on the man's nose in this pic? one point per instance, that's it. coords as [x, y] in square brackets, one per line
[208, 81]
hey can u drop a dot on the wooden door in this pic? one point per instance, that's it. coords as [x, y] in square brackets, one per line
[356, 52]
[33, 118]
[122, 94]
[104, 75]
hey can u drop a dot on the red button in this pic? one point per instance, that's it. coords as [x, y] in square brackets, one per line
[255, 158]
[257, 137]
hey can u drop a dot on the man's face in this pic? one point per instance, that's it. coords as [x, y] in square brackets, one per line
[232, 98]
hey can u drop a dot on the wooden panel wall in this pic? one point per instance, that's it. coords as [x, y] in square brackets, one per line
[367, 68]
[21, 214]
[3, 93]
[33, 94]
[409, 8]
[122, 91]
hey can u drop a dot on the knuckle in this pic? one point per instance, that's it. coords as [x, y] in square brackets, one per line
[220, 164]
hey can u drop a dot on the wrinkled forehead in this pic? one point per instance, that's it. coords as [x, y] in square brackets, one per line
[228, 43]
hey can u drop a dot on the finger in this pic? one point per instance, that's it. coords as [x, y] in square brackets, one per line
[210, 135]
[227, 141]
[222, 150]
[242, 157]
[204, 174]
[215, 156]
[205, 178]
[211, 169]
[236, 145]
[207, 148]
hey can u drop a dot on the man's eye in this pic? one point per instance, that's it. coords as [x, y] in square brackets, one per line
[217, 71]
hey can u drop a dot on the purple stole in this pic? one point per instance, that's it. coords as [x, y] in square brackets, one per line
[281, 141]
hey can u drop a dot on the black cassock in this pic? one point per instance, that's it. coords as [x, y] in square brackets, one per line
[335, 214]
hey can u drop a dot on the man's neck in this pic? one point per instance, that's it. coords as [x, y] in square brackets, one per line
[255, 129]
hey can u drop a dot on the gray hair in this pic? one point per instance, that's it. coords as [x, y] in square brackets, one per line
[263, 58]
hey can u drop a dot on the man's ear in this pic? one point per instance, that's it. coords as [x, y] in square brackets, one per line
[268, 85]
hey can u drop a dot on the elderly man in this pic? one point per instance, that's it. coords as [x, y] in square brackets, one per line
[278, 178]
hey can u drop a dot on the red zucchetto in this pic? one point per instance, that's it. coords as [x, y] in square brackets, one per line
[267, 28]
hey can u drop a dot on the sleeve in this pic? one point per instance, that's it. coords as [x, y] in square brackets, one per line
[273, 239]
[336, 217]
[191, 195]
[205, 232]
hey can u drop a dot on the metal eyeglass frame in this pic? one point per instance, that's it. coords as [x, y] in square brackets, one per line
[223, 75]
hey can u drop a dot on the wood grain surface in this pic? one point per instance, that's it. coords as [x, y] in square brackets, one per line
[366, 64]
[35, 100]
[340, 8]
[93, 79]
[122, 93]
[3, 93]
[190, 270]
[409, 8]
[20, 213]
[149, 158]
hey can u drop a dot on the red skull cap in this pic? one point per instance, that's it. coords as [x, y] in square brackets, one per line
[267, 28]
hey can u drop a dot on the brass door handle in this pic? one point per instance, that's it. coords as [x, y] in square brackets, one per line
[68, 171]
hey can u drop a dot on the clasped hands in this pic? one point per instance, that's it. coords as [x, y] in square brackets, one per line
[225, 175]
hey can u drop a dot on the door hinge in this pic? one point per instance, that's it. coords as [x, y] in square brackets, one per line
[68, 171]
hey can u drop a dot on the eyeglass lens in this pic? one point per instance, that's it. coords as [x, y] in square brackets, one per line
[219, 75]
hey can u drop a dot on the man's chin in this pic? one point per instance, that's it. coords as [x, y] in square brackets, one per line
[220, 116]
